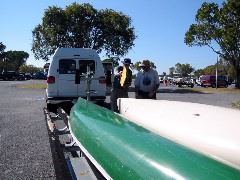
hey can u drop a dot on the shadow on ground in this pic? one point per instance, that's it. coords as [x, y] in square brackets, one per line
[171, 90]
[180, 91]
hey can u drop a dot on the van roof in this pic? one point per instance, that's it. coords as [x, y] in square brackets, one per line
[78, 52]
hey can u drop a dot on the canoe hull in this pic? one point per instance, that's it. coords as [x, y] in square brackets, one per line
[125, 150]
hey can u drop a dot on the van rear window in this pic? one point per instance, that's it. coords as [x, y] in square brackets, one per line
[83, 66]
[67, 66]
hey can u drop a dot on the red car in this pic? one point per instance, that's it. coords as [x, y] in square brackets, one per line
[210, 81]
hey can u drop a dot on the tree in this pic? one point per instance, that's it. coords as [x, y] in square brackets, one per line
[199, 72]
[183, 69]
[171, 71]
[135, 66]
[210, 70]
[2, 48]
[223, 67]
[218, 26]
[114, 60]
[29, 69]
[83, 26]
[2, 55]
[14, 59]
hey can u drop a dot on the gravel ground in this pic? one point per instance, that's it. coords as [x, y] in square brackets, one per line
[24, 142]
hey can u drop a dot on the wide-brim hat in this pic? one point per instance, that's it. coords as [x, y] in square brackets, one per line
[127, 61]
[145, 63]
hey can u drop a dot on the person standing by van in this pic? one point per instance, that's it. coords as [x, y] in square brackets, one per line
[126, 78]
[122, 81]
[146, 82]
[115, 89]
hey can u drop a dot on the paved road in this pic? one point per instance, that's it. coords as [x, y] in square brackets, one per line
[24, 142]
[173, 93]
[186, 95]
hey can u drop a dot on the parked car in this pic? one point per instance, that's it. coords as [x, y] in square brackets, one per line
[28, 76]
[40, 75]
[67, 76]
[21, 77]
[210, 81]
[9, 75]
[160, 78]
[185, 81]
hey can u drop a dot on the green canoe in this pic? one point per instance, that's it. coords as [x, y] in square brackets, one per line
[128, 151]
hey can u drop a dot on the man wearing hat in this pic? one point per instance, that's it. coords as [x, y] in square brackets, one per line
[125, 80]
[146, 82]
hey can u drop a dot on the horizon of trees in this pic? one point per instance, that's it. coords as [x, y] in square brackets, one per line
[16, 61]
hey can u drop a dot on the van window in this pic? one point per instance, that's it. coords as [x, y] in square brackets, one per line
[83, 66]
[67, 66]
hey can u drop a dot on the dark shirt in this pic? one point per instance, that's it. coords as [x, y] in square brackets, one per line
[116, 82]
[128, 80]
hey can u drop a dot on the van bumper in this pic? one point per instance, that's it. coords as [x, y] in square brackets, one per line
[57, 100]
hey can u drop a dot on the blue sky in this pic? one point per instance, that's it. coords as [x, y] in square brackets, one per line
[159, 24]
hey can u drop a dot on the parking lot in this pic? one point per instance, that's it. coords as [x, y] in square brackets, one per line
[25, 151]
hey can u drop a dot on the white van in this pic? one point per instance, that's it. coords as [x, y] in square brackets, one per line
[67, 76]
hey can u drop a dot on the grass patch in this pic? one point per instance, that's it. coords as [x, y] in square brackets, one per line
[32, 86]
[218, 90]
[236, 104]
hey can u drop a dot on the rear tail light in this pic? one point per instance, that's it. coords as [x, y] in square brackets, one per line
[102, 80]
[50, 79]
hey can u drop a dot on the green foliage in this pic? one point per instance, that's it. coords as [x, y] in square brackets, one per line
[199, 72]
[171, 71]
[29, 69]
[183, 69]
[210, 70]
[218, 26]
[13, 60]
[223, 68]
[83, 26]
[236, 104]
[113, 60]
[135, 66]
[2, 47]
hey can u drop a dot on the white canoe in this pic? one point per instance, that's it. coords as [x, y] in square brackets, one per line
[210, 130]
